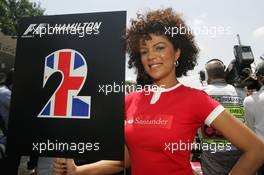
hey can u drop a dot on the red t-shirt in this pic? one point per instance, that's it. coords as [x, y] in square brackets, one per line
[158, 125]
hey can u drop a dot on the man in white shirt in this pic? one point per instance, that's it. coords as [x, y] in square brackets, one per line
[5, 95]
[254, 108]
[223, 156]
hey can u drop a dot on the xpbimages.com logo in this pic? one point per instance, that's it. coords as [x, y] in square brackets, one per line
[79, 29]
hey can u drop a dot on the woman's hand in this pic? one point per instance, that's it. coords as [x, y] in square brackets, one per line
[62, 166]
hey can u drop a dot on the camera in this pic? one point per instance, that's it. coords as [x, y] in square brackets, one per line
[239, 72]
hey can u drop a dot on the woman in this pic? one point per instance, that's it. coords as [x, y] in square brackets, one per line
[160, 121]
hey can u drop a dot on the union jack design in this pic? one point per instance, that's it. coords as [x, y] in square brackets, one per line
[65, 103]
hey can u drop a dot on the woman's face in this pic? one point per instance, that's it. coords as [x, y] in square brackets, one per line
[158, 57]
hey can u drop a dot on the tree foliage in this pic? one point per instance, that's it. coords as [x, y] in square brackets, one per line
[12, 10]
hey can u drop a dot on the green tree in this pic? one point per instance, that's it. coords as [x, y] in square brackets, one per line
[12, 10]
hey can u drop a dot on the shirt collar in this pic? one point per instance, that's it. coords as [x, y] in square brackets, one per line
[161, 89]
[157, 92]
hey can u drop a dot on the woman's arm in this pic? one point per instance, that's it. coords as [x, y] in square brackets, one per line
[245, 140]
[103, 167]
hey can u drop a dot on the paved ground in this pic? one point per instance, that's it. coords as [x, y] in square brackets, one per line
[23, 167]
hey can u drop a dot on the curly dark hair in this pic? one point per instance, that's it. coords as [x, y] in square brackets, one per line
[156, 22]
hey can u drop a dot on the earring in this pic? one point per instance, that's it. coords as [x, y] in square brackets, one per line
[176, 63]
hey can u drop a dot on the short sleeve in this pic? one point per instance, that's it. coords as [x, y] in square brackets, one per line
[128, 103]
[208, 108]
[128, 100]
[5, 95]
[249, 116]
